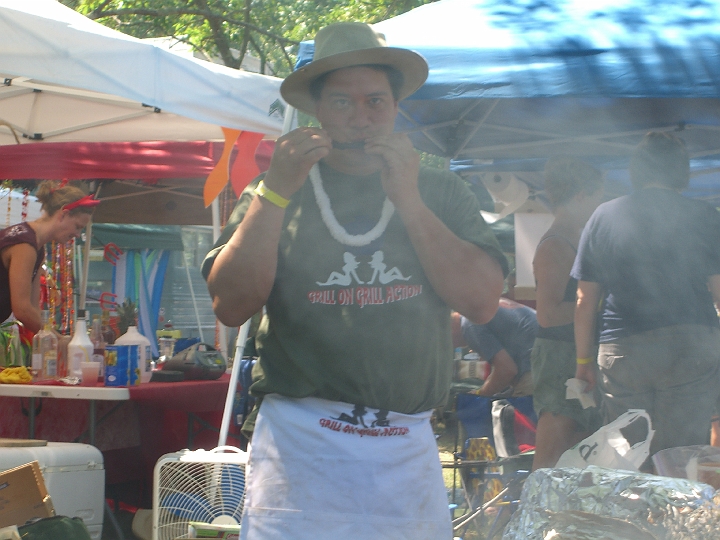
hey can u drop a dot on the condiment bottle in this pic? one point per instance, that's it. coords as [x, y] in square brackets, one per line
[80, 348]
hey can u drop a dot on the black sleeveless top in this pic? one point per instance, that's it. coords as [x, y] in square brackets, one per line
[565, 332]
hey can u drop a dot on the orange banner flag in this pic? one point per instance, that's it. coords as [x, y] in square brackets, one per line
[218, 177]
[245, 168]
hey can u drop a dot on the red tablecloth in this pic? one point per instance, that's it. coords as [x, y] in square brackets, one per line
[189, 396]
[152, 423]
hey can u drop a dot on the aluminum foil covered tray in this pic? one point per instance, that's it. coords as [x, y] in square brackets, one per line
[609, 504]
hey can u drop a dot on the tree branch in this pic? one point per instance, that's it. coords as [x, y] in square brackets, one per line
[219, 37]
[99, 8]
[196, 12]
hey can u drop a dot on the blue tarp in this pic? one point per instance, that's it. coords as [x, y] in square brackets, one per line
[514, 82]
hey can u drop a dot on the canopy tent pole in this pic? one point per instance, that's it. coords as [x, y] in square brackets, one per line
[192, 295]
[222, 329]
[232, 385]
[215, 207]
[479, 124]
[86, 258]
[85, 265]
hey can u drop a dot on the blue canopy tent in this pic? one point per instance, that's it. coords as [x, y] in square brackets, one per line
[514, 82]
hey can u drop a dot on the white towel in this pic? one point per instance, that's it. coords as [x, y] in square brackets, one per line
[576, 390]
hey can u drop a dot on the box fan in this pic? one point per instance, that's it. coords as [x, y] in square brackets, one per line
[197, 486]
[205, 486]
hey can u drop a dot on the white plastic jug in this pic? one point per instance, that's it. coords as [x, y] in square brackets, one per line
[133, 337]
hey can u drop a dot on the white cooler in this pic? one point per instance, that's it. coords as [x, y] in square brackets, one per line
[74, 476]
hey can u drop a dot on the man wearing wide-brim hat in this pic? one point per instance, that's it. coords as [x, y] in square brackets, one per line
[358, 255]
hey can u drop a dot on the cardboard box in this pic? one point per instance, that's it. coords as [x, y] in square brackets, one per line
[206, 530]
[23, 495]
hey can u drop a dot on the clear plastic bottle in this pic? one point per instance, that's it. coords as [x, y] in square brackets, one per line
[133, 337]
[45, 351]
[96, 337]
[80, 348]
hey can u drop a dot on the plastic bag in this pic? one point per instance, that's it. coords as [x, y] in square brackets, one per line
[608, 447]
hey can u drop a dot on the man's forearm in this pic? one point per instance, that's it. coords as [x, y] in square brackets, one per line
[468, 279]
[243, 273]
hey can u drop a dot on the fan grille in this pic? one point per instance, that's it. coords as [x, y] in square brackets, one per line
[196, 491]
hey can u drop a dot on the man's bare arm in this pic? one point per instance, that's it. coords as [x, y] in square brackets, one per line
[501, 376]
[243, 273]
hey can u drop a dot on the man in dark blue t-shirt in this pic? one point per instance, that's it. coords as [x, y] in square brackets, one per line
[654, 258]
[505, 343]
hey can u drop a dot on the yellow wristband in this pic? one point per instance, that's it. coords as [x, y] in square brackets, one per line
[269, 195]
[584, 361]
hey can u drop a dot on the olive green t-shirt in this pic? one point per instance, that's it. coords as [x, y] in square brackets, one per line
[362, 325]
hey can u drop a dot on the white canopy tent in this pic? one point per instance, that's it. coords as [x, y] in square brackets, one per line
[68, 78]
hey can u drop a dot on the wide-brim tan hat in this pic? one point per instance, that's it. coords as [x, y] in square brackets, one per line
[349, 44]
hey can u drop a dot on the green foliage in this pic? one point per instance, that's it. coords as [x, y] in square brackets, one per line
[127, 315]
[229, 29]
[433, 161]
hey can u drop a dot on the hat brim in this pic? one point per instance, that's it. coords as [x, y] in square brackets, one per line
[295, 89]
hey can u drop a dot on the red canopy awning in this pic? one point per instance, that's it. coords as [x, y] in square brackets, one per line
[112, 160]
[147, 161]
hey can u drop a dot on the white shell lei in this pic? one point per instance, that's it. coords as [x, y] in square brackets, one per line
[336, 230]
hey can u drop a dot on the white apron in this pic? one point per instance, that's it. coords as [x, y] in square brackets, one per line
[325, 470]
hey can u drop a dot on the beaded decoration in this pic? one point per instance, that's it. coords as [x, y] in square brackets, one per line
[69, 296]
[25, 202]
[7, 185]
[61, 268]
[52, 267]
